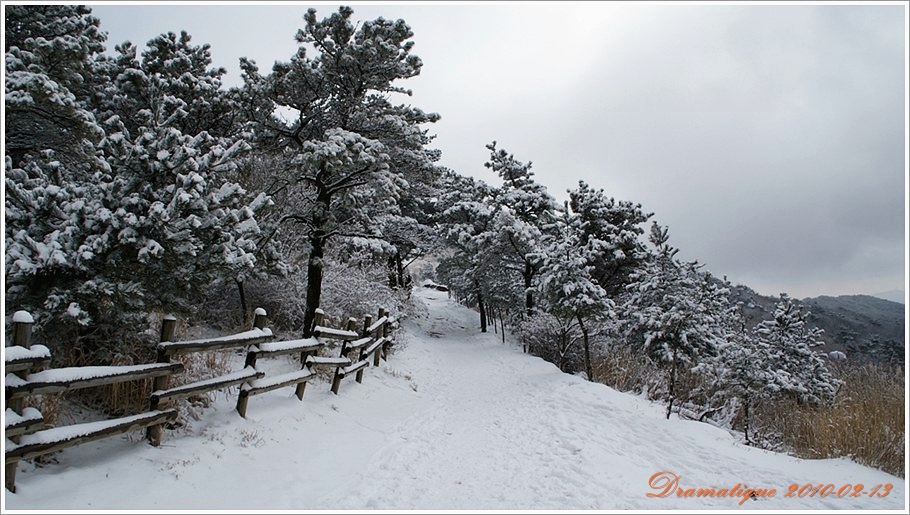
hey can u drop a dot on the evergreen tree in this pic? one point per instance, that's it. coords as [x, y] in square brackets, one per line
[137, 214]
[773, 360]
[794, 368]
[567, 284]
[677, 311]
[614, 227]
[738, 370]
[349, 150]
[465, 217]
[50, 55]
[589, 252]
[522, 209]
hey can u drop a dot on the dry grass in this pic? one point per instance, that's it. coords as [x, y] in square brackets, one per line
[866, 421]
[626, 370]
[128, 397]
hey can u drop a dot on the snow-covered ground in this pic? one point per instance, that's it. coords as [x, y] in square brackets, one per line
[455, 420]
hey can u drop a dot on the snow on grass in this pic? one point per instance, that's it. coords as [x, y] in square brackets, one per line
[453, 421]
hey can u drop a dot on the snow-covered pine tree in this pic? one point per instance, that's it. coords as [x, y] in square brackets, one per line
[51, 157]
[349, 174]
[676, 310]
[173, 152]
[144, 214]
[567, 286]
[466, 266]
[339, 108]
[737, 373]
[50, 54]
[522, 208]
[793, 367]
[590, 250]
[775, 359]
[614, 226]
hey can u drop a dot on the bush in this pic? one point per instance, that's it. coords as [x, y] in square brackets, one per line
[347, 291]
[626, 370]
[555, 339]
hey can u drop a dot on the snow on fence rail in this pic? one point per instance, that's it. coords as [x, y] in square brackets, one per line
[309, 360]
[28, 435]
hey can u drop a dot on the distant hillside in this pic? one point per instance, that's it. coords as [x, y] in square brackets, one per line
[893, 295]
[861, 326]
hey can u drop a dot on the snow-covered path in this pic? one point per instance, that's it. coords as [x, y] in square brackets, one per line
[454, 421]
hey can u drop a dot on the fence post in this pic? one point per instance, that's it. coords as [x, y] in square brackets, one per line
[384, 332]
[301, 387]
[259, 322]
[22, 337]
[374, 336]
[367, 321]
[168, 327]
[336, 381]
[317, 321]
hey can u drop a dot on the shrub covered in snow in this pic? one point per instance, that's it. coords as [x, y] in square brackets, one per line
[134, 208]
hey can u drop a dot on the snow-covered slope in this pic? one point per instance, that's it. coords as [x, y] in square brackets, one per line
[455, 420]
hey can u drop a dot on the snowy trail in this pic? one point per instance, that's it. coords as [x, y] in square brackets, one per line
[501, 436]
[454, 421]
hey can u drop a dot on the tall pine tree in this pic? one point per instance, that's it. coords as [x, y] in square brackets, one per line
[349, 150]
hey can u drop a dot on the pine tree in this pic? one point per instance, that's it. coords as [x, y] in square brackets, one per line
[738, 370]
[567, 284]
[615, 228]
[338, 100]
[50, 54]
[676, 309]
[467, 267]
[794, 368]
[140, 214]
[522, 208]
[773, 360]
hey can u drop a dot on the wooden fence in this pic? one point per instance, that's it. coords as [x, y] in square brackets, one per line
[25, 368]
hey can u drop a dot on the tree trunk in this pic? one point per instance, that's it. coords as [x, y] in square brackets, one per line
[316, 262]
[502, 326]
[589, 370]
[393, 279]
[483, 312]
[242, 293]
[399, 268]
[672, 387]
[747, 413]
[529, 297]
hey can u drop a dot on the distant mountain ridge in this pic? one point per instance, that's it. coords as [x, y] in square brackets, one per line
[864, 327]
[893, 296]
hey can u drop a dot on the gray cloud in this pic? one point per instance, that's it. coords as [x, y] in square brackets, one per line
[770, 138]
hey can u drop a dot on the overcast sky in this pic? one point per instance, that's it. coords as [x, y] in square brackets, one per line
[771, 139]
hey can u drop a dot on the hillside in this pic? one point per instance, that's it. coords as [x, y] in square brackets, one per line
[455, 420]
[866, 328]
